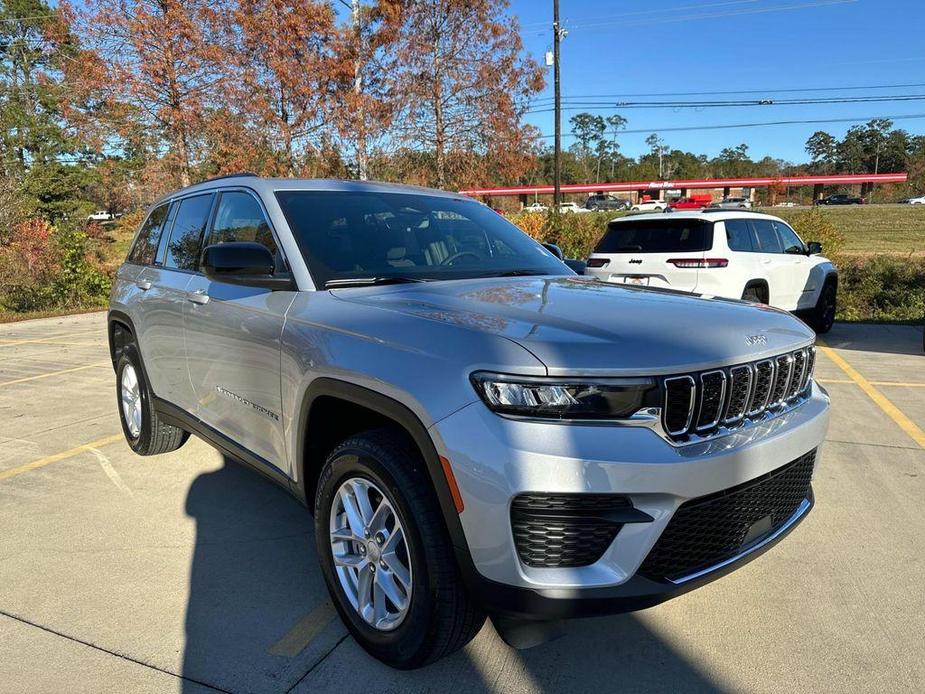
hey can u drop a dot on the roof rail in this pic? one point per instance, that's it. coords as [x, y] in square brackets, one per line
[239, 174]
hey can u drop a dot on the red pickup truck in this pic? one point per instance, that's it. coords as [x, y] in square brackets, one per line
[694, 202]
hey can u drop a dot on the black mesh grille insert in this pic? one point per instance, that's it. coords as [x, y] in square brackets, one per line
[764, 377]
[799, 363]
[708, 530]
[740, 384]
[679, 393]
[564, 530]
[713, 391]
[784, 367]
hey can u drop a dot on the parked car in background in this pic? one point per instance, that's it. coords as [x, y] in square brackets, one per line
[571, 207]
[914, 201]
[649, 206]
[606, 202]
[536, 207]
[100, 216]
[692, 202]
[733, 204]
[839, 199]
[785, 203]
[741, 255]
[477, 430]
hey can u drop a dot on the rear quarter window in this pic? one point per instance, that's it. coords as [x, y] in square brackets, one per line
[657, 236]
[144, 249]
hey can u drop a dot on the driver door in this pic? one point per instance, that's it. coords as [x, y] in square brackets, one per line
[233, 339]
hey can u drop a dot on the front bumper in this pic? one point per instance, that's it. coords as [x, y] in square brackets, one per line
[495, 458]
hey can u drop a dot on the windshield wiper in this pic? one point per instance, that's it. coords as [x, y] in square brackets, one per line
[519, 273]
[369, 281]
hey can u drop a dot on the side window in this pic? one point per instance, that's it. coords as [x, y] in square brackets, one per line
[766, 236]
[790, 240]
[239, 217]
[739, 235]
[144, 249]
[186, 239]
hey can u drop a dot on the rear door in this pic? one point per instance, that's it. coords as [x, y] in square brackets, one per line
[776, 265]
[233, 339]
[159, 314]
[653, 252]
[798, 289]
[169, 295]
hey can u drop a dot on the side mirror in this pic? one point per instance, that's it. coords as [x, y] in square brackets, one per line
[243, 262]
[555, 250]
[578, 266]
[813, 248]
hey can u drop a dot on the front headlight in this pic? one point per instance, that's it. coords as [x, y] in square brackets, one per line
[563, 397]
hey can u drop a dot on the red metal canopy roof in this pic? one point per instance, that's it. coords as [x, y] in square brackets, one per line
[703, 183]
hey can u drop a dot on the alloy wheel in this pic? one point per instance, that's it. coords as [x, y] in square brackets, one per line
[371, 554]
[131, 400]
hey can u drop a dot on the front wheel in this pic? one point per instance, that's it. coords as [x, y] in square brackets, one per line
[386, 556]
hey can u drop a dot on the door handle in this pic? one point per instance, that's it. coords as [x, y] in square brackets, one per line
[765, 261]
[198, 297]
[143, 285]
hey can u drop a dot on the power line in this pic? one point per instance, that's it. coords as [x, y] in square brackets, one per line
[660, 10]
[731, 126]
[597, 106]
[790, 90]
[707, 15]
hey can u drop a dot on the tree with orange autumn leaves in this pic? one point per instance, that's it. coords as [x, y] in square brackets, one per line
[286, 87]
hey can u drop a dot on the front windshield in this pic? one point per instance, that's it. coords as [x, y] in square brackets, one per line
[345, 235]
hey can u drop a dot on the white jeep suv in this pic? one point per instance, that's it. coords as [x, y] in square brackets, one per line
[743, 255]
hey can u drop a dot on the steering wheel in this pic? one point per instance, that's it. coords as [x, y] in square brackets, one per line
[456, 256]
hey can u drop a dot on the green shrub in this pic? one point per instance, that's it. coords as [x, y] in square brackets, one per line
[881, 288]
[815, 225]
[46, 268]
[575, 234]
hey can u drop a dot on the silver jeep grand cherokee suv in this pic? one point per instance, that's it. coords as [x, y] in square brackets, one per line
[477, 429]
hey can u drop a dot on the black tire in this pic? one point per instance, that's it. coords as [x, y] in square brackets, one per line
[823, 316]
[441, 617]
[155, 435]
[754, 293]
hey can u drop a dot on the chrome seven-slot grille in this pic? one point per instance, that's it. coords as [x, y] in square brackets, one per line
[698, 404]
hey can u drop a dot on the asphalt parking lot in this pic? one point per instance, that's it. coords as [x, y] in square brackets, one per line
[187, 572]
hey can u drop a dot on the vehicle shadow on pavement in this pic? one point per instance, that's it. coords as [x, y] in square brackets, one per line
[885, 338]
[254, 574]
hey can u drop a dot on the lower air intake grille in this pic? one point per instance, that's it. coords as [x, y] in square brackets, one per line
[708, 530]
[564, 530]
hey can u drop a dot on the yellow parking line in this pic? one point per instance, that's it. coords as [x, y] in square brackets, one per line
[840, 381]
[898, 383]
[95, 365]
[63, 455]
[893, 412]
[304, 632]
[39, 340]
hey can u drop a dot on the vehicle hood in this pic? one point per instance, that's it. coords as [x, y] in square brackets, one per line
[579, 325]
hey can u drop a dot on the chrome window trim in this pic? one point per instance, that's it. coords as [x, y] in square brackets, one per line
[748, 396]
[722, 399]
[690, 408]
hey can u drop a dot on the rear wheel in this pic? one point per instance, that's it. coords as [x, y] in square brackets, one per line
[386, 556]
[755, 293]
[145, 432]
[823, 316]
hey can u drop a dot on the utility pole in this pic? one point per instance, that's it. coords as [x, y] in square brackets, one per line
[556, 37]
[358, 90]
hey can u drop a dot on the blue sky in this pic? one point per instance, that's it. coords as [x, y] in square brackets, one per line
[619, 47]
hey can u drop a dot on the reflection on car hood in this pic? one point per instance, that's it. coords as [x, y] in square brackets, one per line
[574, 324]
